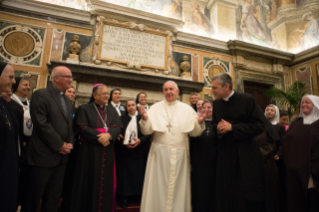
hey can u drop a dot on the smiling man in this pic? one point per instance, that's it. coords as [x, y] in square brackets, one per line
[239, 169]
[99, 126]
[167, 177]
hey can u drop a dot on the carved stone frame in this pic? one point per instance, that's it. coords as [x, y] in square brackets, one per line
[242, 74]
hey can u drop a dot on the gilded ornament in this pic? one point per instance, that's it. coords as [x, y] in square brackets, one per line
[185, 66]
[75, 48]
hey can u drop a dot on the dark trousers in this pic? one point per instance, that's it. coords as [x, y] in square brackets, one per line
[44, 183]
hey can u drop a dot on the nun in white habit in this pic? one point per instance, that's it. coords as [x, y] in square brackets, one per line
[301, 157]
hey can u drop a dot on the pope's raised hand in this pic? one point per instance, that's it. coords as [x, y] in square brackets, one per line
[143, 112]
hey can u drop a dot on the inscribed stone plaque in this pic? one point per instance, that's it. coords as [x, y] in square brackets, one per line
[122, 44]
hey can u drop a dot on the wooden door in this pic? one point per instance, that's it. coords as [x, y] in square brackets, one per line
[257, 90]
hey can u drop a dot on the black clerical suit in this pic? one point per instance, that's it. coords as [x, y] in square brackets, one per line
[239, 168]
[52, 126]
[9, 167]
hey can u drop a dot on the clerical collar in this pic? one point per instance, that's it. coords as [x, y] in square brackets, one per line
[116, 105]
[274, 122]
[209, 119]
[171, 103]
[57, 90]
[227, 98]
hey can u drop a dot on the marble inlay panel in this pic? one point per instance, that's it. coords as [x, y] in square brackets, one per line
[57, 45]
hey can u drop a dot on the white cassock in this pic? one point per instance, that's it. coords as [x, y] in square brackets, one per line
[167, 177]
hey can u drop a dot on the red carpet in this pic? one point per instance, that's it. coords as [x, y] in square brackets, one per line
[132, 207]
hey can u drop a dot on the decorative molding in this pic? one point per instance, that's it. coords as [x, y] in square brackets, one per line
[46, 9]
[127, 14]
[306, 56]
[84, 72]
[259, 53]
[200, 41]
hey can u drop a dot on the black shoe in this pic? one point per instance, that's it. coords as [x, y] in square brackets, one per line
[123, 203]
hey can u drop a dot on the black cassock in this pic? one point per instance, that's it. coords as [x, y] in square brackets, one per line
[239, 167]
[203, 152]
[301, 158]
[131, 163]
[93, 189]
[9, 165]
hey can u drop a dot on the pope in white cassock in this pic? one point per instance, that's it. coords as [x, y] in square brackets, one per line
[167, 177]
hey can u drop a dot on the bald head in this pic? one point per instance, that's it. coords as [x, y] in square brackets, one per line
[62, 77]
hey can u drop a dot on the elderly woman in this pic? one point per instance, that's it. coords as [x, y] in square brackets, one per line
[131, 156]
[301, 157]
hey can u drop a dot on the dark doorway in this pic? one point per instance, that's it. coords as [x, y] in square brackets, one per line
[257, 90]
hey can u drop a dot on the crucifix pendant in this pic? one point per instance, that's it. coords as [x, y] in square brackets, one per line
[207, 131]
[169, 126]
[8, 123]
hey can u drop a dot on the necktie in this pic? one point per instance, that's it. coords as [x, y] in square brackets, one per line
[63, 103]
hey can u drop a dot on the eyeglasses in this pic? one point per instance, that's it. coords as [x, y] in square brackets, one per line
[68, 77]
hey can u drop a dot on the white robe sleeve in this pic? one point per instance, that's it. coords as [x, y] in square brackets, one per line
[198, 129]
[146, 127]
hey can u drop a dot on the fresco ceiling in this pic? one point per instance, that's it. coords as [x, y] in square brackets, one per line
[249, 20]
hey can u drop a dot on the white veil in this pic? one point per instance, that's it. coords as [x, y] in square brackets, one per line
[277, 117]
[314, 115]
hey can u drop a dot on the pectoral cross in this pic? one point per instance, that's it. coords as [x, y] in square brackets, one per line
[8, 122]
[207, 131]
[169, 126]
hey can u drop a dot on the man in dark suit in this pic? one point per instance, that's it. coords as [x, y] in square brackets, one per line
[47, 152]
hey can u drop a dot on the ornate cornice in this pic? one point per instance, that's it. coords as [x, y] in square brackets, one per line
[259, 53]
[46, 9]
[306, 56]
[121, 13]
[200, 41]
[92, 74]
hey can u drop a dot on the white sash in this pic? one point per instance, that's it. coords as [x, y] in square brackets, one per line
[27, 122]
[131, 131]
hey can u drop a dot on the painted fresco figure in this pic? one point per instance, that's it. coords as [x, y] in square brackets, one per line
[310, 37]
[200, 21]
[255, 31]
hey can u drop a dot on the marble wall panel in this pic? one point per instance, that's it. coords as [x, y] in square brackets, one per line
[21, 44]
[57, 45]
[304, 75]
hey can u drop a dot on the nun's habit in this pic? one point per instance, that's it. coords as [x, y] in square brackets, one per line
[131, 163]
[267, 142]
[9, 168]
[301, 157]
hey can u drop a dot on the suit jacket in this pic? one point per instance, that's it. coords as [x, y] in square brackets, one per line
[51, 128]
